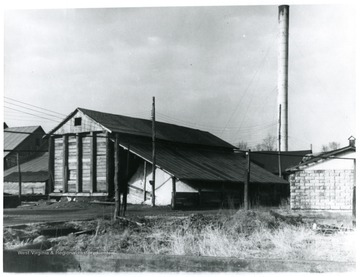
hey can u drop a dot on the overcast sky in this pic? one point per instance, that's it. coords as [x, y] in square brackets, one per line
[211, 68]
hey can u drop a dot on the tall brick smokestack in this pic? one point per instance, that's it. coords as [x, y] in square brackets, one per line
[283, 62]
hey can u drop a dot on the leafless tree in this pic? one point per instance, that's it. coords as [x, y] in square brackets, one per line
[243, 145]
[330, 146]
[258, 147]
[267, 144]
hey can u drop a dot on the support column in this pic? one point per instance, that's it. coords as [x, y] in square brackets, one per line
[222, 195]
[109, 166]
[65, 160]
[19, 175]
[116, 178]
[79, 166]
[173, 195]
[50, 187]
[125, 182]
[247, 181]
[200, 197]
[93, 161]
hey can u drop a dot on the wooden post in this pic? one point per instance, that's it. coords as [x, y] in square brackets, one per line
[79, 165]
[222, 195]
[247, 181]
[116, 178]
[153, 152]
[275, 202]
[125, 184]
[173, 195]
[200, 198]
[109, 166]
[145, 172]
[19, 173]
[51, 165]
[93, 161]
[65, 162]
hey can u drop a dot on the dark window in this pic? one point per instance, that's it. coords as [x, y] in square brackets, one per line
[77, 121]
[37, 142]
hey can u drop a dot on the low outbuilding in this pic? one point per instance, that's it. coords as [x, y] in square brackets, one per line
[325, 181]
[34, 177]
[21, 144]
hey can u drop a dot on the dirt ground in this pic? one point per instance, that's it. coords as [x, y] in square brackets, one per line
[66, 211]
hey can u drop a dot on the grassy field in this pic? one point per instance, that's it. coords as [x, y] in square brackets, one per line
[244, 234]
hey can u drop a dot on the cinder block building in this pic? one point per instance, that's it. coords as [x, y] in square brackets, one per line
[325, 181]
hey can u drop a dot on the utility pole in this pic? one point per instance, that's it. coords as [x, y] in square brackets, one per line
[279, 140]
[153, 151]
[145, 172]
[247, 181]
[19, 173]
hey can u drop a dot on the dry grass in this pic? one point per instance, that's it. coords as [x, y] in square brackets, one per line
[245, 234]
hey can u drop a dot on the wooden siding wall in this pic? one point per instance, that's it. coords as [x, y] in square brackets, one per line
[58, 165]
[87, 125]
[72, 164]
[101, 164]
[90, 150]
[86, 186]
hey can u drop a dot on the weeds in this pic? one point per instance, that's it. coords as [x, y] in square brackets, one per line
[244, 234]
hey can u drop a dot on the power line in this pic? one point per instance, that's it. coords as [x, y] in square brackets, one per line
[33, 110]
[246, 90]
[33, 106]
[252, 95]
[32, 114]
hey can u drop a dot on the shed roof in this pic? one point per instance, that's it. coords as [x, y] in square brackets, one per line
[143, 127]
[322, 157]
[269, 159]
[35, 170]
[14, 136]
[194, 164]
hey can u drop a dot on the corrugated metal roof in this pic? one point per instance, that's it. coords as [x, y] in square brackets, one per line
[143, 127]
[13, 140]
[35, 170]
[269, 159]
[200, 164]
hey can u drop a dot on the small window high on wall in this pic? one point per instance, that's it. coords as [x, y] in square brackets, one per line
[77, 121]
